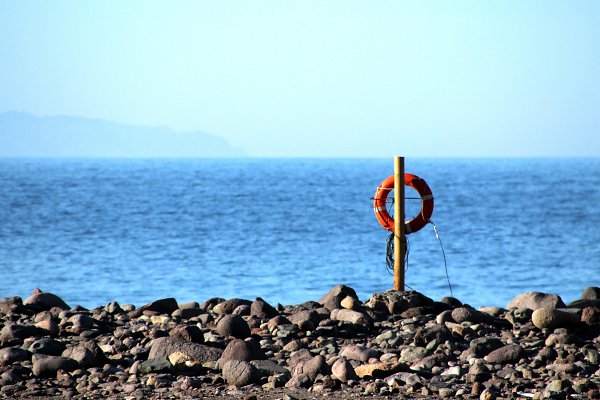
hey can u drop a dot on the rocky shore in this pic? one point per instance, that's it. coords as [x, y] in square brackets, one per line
[394, 345]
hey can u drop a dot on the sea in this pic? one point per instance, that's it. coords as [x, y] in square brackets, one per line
[288, 230]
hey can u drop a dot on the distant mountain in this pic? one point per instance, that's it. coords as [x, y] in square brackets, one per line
[26, 135]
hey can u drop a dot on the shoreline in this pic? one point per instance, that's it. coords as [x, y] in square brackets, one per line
[395, 344]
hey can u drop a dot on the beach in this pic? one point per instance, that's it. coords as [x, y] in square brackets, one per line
[393, 345]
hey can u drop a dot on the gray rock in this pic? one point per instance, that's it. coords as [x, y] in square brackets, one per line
[409, 378]
[233, 325]
[591, 293]
[240, 373]
[14, 334]
[306, 320]
[485, 345]
[162, 306]
[270, 368]
[47, 346]
[228, 306]
[410, 354]
[10, 355]
[359, 353]
[351, 316]
[87, 354]
[164, 347]
[535, 300]
[81, 322]
[190, 333]
[464, 314]
[187, 313]
[507, 354]
[343, 371]
[312, 367]
[242, 310]
[333, 298]
[591, 316]
[158, 364]
[48, 366]
[299, 381]
[262, 309]
[45, 301]
[546, 318]
[241, 350]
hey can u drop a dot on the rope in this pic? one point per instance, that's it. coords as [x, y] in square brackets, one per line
[437, 235]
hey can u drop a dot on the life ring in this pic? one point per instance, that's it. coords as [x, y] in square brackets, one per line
[418, 222]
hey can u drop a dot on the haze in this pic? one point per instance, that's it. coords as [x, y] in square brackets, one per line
[314, 78]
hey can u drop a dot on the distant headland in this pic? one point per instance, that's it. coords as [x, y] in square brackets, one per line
[26, 135]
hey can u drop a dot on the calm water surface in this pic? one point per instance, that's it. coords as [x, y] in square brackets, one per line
[93, 231]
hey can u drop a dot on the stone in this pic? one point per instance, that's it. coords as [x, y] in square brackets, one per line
[343, 371]
[228, 306]
[409, 378]
[269, 368]
[547, 318]
[312, 367]
[48, 366]
[45, 301]
[10, 305]
[233, 325]
[85, 355]
[190, 333]
[591, 293]
[507, 354]
[9, 355]
[306, 320]
[352, 316]
[157, 364]
[464, 314]
[481, 347]
[299, 381]
[535, 300]
[81, 322]
[242, 310]
[47, 346]
[428, 362]
[333, 298]
[359, 353]
[487, 394]
[162, 306]
[379, 370]
[14, 334]
[412, 353]
[186, 313]
[262, 309]
[241, 350]
[240, 373]
[591, 316]
[49, 326]
[350, 303]
[165, 346]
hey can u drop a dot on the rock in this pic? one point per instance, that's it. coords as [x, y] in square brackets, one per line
[409, 378]
[343, 371]
[233, 325]
[45, 301]
[10, 355]
[228, 306]
[242, 310]
[417, 312]
[14, 334]
[591, 316]
[10, 305]
[164, 347]
[262, 309]
[158, 364]
[359, 353]
[48, 366]
[546, 318]
[350, 303]
[333, 298]
[186, 313]
[162, 306]
[427, 363]
[87, 354]
[270, 368]
[411, 353]
[507, 354]
[240, 373]
[451, 301]
[49, 326]
[481, 347]
[487, 394]
[312, 367]
[379, 370]
[241, 350]
[306, 320]
[81, 322]
[352, 316]
[535, 300]
[591, 293]
[190, 333]
[299, 381]
[47, 346]
[464, 314]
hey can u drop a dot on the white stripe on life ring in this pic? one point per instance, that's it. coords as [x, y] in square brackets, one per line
[380, 209]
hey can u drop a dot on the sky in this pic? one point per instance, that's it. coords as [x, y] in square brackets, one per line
[318, 78]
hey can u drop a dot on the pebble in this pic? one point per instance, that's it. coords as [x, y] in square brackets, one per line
[395, 344]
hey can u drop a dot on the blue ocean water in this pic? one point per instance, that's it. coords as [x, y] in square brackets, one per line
[288, 230]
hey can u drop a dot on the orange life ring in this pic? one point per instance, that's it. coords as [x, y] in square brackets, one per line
[418, 222]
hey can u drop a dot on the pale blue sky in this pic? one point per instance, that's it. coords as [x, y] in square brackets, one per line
[318, 78]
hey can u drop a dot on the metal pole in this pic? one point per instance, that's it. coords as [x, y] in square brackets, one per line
[399, 229]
